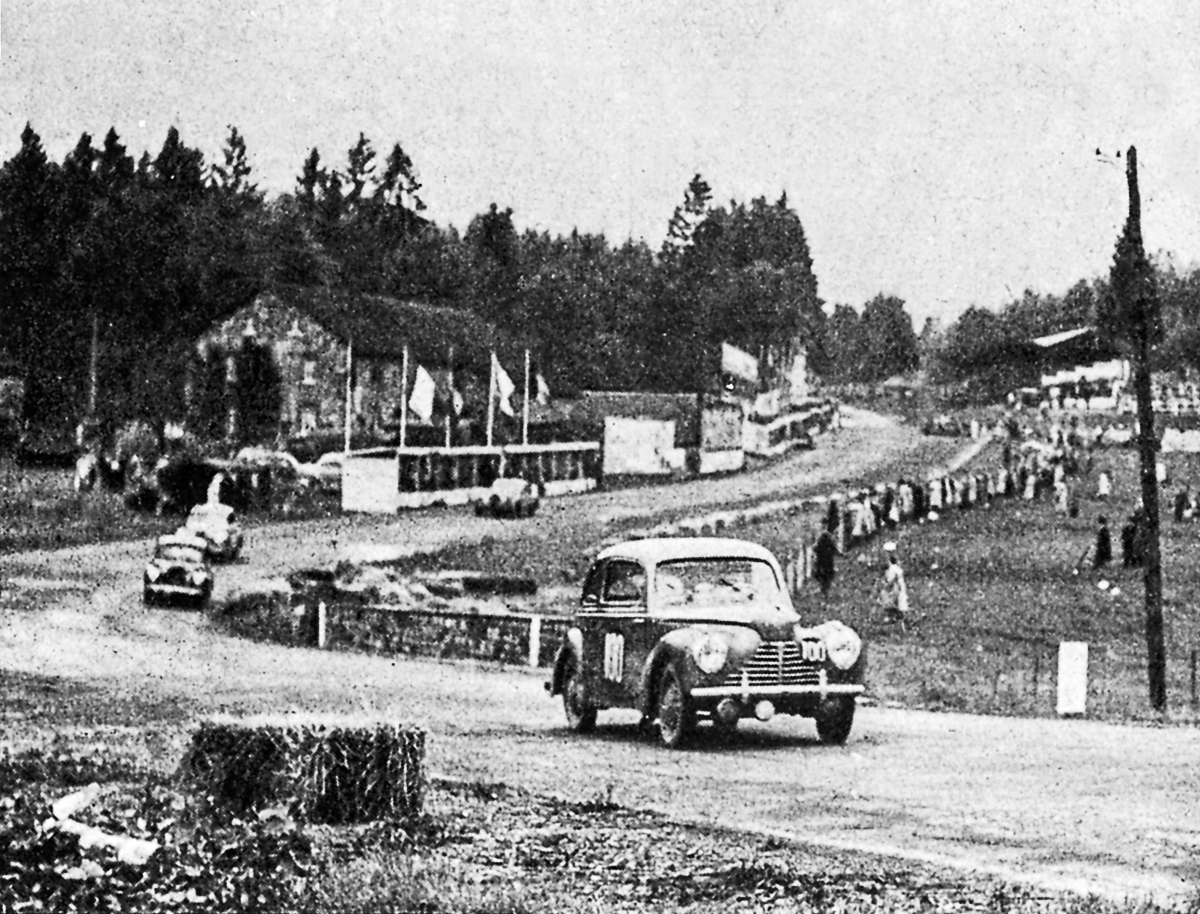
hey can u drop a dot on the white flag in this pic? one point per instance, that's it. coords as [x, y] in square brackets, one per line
[421, 401]
[543, 390]
[504, 387]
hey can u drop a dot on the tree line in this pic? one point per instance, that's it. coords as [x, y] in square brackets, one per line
[131, 260]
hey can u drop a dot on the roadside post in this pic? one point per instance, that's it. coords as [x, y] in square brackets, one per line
[321, 625]
[1195, 698]
[1072, 677]
[535, 639]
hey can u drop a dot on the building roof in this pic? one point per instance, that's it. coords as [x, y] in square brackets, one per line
[381, 326]
[1055, 339]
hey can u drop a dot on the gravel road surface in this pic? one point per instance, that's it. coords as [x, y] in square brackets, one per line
[1067, 804]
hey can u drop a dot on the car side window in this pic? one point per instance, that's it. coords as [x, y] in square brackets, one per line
[593, 585]
[624, 583]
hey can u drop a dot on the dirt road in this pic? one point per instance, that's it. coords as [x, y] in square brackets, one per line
[1068, 804]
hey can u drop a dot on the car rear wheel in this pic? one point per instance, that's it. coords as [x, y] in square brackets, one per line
[676, 716]
[581, 716]
[835, 721]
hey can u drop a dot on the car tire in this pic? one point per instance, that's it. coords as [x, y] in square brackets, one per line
[581, 716]
[676, 716]
[148, 598]
[835, 723]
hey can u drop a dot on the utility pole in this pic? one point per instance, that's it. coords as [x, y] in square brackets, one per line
[1133, 289]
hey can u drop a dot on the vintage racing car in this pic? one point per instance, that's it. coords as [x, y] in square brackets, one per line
[687, 629]
[216, 525]
[509, 497]
[178, 571]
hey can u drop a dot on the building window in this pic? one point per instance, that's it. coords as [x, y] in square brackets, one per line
[310, 372]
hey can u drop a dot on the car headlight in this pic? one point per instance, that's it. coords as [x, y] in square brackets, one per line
[152, 572]
[842, 646]
[710, 653]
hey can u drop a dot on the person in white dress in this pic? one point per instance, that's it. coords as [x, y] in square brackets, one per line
[894, 595]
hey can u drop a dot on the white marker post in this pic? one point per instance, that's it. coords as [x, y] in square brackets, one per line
[535, 639]
[1072, 677]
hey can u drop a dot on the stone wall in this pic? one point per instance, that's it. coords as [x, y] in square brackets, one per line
[475, 634]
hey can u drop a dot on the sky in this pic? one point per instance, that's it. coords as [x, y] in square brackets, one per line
[943, 152]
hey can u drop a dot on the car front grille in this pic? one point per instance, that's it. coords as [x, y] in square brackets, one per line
[776, 663]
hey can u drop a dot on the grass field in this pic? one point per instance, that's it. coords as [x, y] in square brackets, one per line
[993, 592]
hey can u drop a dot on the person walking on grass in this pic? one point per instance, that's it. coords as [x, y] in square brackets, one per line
[1103, 552]
[894, 595]
[824, 556]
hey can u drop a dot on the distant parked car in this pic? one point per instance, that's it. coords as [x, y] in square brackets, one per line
[178, 571]
[509, 498]
[690, 629]
[324, 473]
[216, 525]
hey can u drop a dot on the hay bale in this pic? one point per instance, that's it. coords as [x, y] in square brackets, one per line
[331, 771]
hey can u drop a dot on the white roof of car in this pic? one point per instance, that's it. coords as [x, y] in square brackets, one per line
[673, 548]
[180, 539]
[208, 508]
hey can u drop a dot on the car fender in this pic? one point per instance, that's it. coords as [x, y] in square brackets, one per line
[572, 646]
[676, 645]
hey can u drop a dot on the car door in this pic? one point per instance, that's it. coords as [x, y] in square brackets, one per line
[618, 632]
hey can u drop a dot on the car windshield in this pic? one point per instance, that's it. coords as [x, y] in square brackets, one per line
[715, 581]
[177, 553]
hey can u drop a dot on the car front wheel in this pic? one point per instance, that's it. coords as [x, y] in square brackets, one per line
[835, 720]
[676, 716]
[581, 716]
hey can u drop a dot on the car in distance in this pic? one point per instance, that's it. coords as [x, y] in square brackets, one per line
[690, 629]
[178, 571]
[509, 497]
[324, 473]
[216, 525]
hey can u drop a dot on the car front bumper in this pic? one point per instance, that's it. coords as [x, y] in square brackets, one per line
[745, 687]
[175, 590]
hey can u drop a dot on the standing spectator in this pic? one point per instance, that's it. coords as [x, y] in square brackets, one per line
[1182, 500]
[824, 553]
[1103, 485]
[1061, 496]
[1103, 553]
[1128, 532]
[894, 595]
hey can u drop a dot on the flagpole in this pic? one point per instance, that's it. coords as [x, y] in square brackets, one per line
[525, 412]
[491, 412]
[450, 365]
[349, 392]
[404, 397]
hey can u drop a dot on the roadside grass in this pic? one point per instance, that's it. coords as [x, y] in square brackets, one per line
[476, 847]
[993, 592]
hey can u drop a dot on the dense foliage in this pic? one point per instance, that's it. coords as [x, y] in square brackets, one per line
[125, 262]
